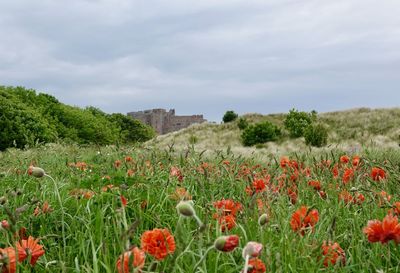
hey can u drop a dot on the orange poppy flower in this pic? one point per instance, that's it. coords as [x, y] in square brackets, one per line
[303, 219]
[158, 243]
[256, 266]
[31, 248]
[8, 254]
[344, 159]
[335, 171]
[396, 209]
[176, 172]
[333, 254]
[284, 161]
[259, 185]
[227, 222]
[228, 206]
[128, 158]
[315, 184]
[137, 262]
[347, 175]
[356, 160]
[292, 193]
[377, 174]
[388, 229]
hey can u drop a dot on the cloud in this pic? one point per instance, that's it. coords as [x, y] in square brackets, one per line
[204, 56]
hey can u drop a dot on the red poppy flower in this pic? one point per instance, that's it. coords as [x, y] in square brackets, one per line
[347, 175]
[284, 161]
[259, 185]
[8, 254]
[256, 266]
[30, 248]
[117, 164]
[335, 171]
[137, 261]
[315, 184]
[396, 209]
[303, 219]
[377, 174]
[227, 222]
[344, 159]
[388, 229]
[158, 243]
[356, 160]
[124, 201]
[292, 193]
[333, 254]
[228, 206]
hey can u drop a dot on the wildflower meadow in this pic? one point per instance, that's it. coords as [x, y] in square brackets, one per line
[70, 208]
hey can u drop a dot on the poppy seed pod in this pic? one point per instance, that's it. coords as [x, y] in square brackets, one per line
[185, 208]
[36, 172]
[226, 243]
[263, 219]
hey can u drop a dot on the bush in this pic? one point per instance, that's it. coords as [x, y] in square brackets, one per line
[130, 129]
[260, 133]
[21, 125]
[242, 123]
[229, 116]
[316, 135]
[296, 122]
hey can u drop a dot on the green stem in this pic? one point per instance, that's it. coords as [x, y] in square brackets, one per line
[202, 258]
[62, 214]
[246, 264]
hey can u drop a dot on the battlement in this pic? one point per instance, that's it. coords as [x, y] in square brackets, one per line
[164, 122]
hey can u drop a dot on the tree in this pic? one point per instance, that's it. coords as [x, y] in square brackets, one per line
[229, 116]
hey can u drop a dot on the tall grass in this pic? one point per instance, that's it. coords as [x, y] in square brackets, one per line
[88, 234]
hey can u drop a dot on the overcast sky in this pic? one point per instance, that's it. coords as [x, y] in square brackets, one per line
[205, 56]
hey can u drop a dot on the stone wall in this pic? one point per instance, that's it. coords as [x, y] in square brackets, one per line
[165, 122]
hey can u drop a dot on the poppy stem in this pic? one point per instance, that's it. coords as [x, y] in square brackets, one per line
[62, 212]
[246, 264]
[203, 257]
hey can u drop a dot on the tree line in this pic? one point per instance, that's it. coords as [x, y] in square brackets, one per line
[28, 118]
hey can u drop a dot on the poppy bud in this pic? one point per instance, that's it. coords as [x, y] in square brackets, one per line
[226, 243]
[5, 224]
[185, 208]
[263, 219]
[252, 249]
[36, 172]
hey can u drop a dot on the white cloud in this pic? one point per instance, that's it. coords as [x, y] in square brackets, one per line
[204, 56]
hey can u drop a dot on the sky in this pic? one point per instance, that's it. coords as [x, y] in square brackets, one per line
[205, 56]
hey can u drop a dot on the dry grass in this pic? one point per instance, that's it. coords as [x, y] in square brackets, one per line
[349, 130]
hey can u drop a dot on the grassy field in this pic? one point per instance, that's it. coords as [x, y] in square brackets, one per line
[348, 130]
[99, 202]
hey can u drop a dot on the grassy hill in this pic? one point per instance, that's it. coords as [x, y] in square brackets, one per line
[348, 130]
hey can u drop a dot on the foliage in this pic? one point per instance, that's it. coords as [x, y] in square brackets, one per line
[316, 135]
[260, 133]
[28, 118]
[296, 122]
[242, 123]
[229, 116]
[130, 129]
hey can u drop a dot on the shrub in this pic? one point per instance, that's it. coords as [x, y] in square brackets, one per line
[296, 122]
[260, 133]
[316, 135]
[242, 123]
[229, 116]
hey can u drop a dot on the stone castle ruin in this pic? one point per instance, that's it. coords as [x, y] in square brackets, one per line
[165, 122]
